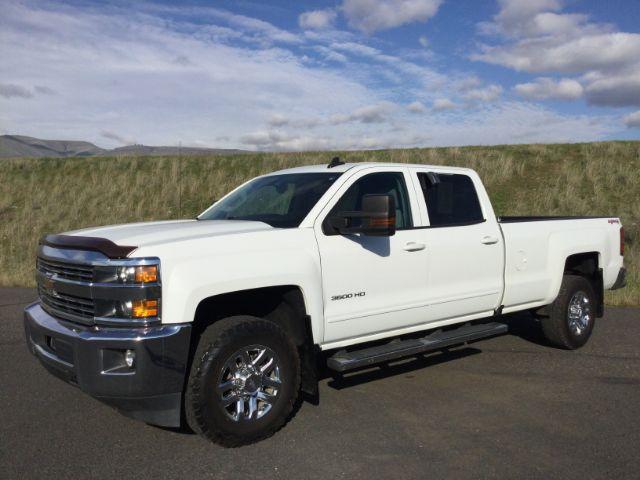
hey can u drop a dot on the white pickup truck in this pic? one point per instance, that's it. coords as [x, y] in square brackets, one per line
[227, 318]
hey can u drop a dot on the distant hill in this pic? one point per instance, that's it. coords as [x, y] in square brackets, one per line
[12, 146]
[147, 150]
[21, 146]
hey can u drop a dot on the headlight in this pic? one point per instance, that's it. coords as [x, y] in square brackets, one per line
[127, 274]
[139, 274]
[128, 292]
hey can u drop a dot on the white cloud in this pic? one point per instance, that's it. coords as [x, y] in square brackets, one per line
[519, 18]
[518, 122]
[358, 49]
[317, 19]
[538, 38]
[416, 107]
[278, 120]
[122, 140]
[503, 123]
[275, 140]
[547, 88]
[258, 28]
[467, 83]
[428, 77]
[11, 90]
[262, 138]
[114, 71]
[632, 120]
[614, 90]
[236, 82]
[442, 104]
[424, 41]
[331, 55]
[590, 52]
[378, 113]
[44, 90]
[371, 16]
[239, 27]
[485, 94]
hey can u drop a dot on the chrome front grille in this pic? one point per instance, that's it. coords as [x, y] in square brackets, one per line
[69, 271]
[67, 306]
[83, 286]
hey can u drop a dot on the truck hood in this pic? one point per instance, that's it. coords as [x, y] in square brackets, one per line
[155, 233]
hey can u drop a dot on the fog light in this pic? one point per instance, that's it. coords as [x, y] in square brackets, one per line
[144, 308]
[129, 358]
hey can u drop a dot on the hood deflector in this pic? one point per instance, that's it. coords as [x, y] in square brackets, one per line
[96, 244]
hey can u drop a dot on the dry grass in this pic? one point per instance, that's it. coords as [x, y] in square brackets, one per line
[39, 196]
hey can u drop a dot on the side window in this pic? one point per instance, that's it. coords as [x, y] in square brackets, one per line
[388, 183]
[451, 201]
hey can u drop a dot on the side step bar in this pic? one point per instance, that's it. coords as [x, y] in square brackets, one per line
[343, 360]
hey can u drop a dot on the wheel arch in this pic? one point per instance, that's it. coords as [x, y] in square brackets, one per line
[587, 264]
[283, 304]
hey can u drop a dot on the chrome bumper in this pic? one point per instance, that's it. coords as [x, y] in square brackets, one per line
[92, 359]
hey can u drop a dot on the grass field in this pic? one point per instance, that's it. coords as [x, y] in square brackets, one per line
[54, 195]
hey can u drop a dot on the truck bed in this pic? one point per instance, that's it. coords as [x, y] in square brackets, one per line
[537, 247]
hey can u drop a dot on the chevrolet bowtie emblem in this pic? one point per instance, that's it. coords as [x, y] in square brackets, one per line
[48, 281]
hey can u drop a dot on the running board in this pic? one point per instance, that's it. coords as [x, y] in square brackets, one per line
[343, 360]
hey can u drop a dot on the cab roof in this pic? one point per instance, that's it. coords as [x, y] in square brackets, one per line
[323, 168]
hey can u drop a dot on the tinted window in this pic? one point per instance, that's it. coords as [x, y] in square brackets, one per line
[279, 200]
[451, 201]
[388, 183]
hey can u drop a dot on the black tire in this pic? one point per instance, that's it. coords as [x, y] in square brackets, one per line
[204, 408]
[556, 326]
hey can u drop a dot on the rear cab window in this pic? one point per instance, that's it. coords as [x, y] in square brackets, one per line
[451, 199]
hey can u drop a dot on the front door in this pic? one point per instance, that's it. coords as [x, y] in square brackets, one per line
[372, 284]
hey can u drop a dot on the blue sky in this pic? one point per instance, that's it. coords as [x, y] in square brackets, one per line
[346, 74]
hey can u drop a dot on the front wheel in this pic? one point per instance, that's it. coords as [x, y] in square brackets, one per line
[244, 381]
[572, 315]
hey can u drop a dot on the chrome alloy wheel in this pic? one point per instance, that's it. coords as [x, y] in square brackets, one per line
[579, 312]
[249, 383]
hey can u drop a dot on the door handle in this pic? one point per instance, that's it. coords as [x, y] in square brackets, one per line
[413, 246]
[489, 240]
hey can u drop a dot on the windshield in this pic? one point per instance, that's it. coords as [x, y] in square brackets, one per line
[282, 201]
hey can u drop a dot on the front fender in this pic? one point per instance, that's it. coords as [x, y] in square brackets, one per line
[226, 265]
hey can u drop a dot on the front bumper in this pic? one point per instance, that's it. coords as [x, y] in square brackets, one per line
[89, 357]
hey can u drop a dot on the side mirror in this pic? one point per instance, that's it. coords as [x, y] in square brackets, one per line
[377, 218]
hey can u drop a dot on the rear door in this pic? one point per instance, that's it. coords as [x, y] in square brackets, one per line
[464, 243]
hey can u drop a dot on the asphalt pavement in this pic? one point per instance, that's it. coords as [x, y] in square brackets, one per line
[507, 407]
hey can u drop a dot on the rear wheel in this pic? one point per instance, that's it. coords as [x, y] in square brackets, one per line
[244, 381]
[572, 315]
